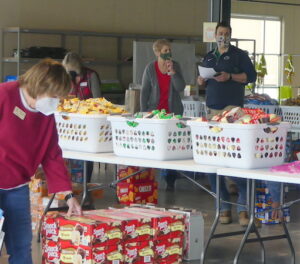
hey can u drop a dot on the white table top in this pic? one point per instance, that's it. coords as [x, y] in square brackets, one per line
[184, 165]
[260, 174]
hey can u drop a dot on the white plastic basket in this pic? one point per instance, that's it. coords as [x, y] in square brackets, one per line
[90, 133]
[155, 139]
[193, 108]
[238, 145]
[291, 114]
[269, 109]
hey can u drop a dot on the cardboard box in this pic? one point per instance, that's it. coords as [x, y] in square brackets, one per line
[108, 254]
[139, 252]
[166, 224]
[194, 234]
[145, 176]
[135, 227]
[146, 192]
[168, 251]
[88, 230]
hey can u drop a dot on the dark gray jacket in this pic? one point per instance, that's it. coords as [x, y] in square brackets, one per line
[150, 92]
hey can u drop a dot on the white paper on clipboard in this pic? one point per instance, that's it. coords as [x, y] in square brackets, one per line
[206, 73]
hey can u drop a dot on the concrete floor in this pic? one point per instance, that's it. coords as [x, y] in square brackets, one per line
[222, 250]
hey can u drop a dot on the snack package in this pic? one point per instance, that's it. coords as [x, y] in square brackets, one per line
[168, 251]
[135, 227]
[139, 252]
[108, 254]
[142, 193]
[89, 229]
[166, 224]
[124, 171]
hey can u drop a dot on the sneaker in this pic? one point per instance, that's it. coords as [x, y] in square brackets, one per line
[244, 220]
[225, 217]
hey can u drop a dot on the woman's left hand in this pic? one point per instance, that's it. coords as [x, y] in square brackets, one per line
[74, 207]
[170, 67]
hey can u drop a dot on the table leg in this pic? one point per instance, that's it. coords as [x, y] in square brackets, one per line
[84, 194]
[288, 237]
[216, 220]
[251, 226]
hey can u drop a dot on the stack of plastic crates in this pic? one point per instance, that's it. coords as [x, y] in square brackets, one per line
[193, 108]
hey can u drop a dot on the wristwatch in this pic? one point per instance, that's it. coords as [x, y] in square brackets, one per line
[69, 196]
[230, 77]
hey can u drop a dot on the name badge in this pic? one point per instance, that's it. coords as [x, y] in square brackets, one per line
[19, 113]
[83, 84]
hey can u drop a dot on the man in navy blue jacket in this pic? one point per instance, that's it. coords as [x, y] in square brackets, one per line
[234, 70]
[225, 91]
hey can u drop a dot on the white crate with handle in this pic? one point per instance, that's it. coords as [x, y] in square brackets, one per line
[247, 146]
[90, 133]
[157, 139]
[193, 108]
[291, 114]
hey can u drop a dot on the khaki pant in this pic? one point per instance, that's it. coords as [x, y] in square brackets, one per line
[213, 112]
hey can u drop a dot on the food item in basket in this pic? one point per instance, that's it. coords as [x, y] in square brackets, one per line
[89, 106]
[158, 114]
[292, 101]
[239, 115]
[259, 99]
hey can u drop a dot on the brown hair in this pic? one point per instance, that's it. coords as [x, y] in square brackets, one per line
[158, 44]
[48, 77]
[223, 24]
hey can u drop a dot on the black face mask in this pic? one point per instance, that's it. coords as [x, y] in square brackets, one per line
[73, 75]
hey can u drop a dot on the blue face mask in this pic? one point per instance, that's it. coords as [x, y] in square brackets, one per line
[47, 105]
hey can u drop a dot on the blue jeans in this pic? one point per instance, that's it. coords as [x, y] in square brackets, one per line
[242, 186]
[169, 176]
[274, 189]
[17, 224]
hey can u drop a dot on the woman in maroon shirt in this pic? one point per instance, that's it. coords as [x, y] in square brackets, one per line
[28, 138]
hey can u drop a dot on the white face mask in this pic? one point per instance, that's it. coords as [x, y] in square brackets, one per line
[46, 105]
[223, 42]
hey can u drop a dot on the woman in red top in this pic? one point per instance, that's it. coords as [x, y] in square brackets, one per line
[161, 86]
[28, 138]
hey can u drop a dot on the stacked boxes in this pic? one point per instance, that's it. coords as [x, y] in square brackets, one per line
[131, 235]
[264, 202]
[139, 189]
[87, 239]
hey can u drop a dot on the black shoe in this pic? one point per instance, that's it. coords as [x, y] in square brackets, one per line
[170, 188]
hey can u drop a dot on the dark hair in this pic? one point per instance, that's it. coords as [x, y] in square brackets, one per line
[224, 25]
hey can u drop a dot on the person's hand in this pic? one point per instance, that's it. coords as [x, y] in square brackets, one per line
[201, 81]
[276, 214]
[74, 207]
[170, 67]
[222, 77]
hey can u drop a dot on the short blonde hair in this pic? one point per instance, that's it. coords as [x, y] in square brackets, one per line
[48, 77]
[73, 62]
[158, 44]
